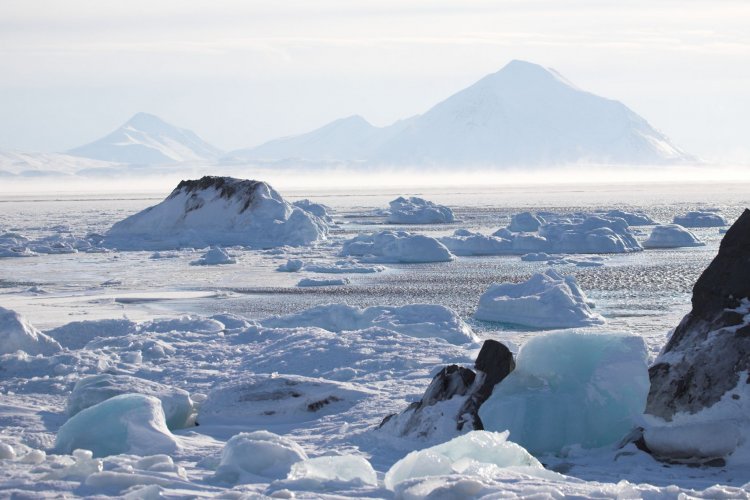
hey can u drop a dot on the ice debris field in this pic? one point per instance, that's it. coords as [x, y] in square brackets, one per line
[228, 341]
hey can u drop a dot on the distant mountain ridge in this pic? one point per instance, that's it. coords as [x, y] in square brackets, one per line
[522, 115]
[147, 139]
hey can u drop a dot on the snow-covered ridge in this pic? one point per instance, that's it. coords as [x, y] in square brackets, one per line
[218, 211]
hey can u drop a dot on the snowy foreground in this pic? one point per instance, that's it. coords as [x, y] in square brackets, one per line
[319, 398]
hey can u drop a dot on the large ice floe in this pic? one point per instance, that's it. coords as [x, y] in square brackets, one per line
[396, 246]
[416, 320]
[17, 334]
[568, 389]
[699, 401]
[414, 210]
[128, 423]
[671, 236]
[218, 211]
[700, 219]
[546, 300]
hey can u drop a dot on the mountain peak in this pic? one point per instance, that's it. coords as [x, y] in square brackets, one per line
[148, 123]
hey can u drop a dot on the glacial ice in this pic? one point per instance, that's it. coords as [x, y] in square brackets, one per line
[472, 453]
[525, 222]
[17, 334]
[671, 236]
[249, 457]
[632, 218]
[342, 469]
[396, 246]
[317, 209]
[416, 320]
[414, 210]
[546, 300]
[128, 423]
[700, 219]
[569, 388]
[214, 257]
[590, 234]
[93, 389]
[217, 211]
[468, 243]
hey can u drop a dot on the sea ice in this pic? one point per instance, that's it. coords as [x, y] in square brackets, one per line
[525, 222]
[93, 389]
[17, 334]
[305, 282]
[129, 423]
[546, 300]
[317, 209]
[416, 210]
[214, 257]
[416, 320]
[341, 469]
[291, 266]
[571, 388]
[469, 454]
[632, 218]
[590, 234]
[217, 211]
[468, 243]
[700, 219]
[251, 457]
[396, 246]
[671, 236]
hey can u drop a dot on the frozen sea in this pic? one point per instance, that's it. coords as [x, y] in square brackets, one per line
[646, 293]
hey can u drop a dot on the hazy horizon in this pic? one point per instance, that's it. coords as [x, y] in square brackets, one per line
[246, 73]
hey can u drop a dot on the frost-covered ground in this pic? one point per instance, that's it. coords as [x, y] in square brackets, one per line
[366, 373]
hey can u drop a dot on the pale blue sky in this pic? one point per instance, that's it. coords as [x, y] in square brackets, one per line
[239, 73]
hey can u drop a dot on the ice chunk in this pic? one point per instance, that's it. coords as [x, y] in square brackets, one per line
[345, 468]
[249, 457]
[416, 210]
[129, 423]
[671, 236]
[7, 452]
[77, 334]
[546, 300]
[273, 399]
[214, 257]
[217, 211]
[416, 320]
[317, 209]
[341, 267]
[17, 334]
[467, 243]
[632, 218]
[525, 222]
[462, 455]
[592, 234]
[94, 389]
[571, 388]
[700, 219]
[536, 257]
[291, 266]
[396, 246]
[305, 282]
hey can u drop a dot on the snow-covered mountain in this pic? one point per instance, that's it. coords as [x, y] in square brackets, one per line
[524, 114]
[147, 139]
[32, 164]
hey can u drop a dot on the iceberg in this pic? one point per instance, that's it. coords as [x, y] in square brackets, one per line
[571, 388]
[17, 334]
[546, 300]
[591, 234]
[128, 423]
[217, 211]
[671, 236]
[308, 282]
[396, 246]
[252, 457]
[317, 209]
[525, 222]
[464, 455]
[467, 243]
[214, 257]
[93, 389]
[416, 320]
[632, 218]
[416, 210]
[700, 219]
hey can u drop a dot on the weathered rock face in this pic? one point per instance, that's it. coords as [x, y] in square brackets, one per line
[452, 400]
[710, 349]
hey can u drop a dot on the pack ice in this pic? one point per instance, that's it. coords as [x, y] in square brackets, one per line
[17, 334]
[546, 300]
[414, 210]
[218, 211]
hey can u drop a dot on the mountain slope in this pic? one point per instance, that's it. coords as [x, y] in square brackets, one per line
[146, 139]
[523, 115]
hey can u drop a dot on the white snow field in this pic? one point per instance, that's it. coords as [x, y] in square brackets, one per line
[415, 210]
[134, 374]
[671, 236]
[546, 300]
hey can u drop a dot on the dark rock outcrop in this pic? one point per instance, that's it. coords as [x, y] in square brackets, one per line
[711, 346]
[425, 416]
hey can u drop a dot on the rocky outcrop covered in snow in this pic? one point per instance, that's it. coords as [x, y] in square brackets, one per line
[414, 210]
[218, 211]
[700, 382]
